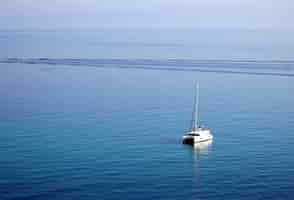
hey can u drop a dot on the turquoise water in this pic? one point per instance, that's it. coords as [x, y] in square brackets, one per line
[81, 132]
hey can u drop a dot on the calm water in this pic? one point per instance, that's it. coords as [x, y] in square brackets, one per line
[81, 132]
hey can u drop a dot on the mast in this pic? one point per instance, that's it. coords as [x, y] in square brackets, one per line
[197, 105]
[195, 117]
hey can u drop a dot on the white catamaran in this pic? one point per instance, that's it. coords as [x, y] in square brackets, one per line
[197, 133]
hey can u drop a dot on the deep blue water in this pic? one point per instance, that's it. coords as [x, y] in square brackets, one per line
[82, 132]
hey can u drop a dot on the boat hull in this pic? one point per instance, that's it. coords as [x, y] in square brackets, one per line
[194, 141]
[197, 136]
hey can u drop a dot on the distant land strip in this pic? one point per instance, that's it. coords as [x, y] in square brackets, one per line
[250, 67]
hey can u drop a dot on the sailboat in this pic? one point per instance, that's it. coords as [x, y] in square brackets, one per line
[197, 134]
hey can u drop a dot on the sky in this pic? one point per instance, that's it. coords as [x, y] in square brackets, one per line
[96, 14]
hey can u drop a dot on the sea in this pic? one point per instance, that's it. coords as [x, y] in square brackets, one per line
[99, 114]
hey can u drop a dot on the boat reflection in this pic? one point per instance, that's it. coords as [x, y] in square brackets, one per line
[202, 148]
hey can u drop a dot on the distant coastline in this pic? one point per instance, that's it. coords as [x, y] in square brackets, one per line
[249, 67]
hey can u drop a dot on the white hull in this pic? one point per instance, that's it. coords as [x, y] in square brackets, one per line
[197, 136]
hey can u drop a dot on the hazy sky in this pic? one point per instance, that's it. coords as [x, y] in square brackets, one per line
[54, 14]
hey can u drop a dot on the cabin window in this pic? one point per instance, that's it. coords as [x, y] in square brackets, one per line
[194, 134]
